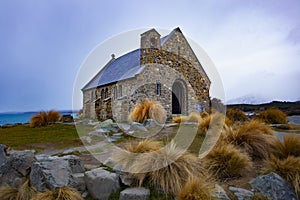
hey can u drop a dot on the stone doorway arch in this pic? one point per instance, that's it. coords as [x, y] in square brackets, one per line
[179, 97]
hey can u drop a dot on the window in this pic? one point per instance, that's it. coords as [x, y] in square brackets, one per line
[102, 94]
[158, 89]
[106, 93]
[115, 92]
[178, 51]
[152, 43]
[120, 91]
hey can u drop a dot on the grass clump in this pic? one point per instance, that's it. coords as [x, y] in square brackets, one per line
[289, 147]
[24, 192]
[196, 189]
[228, 161]
[63, 193]
[236, 115]
[273, 116]
[44, 119]
[148, 110]
[253, 137]
[288, 168]
[166, 169]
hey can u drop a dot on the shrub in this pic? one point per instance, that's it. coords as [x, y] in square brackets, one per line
[228, 161]
[289, 147]
[196, 189]
[257, 141]
[236, 115]
[64, 193]
[289, 169]
[39, 120]
[148, 109]
[151, 167]
[180, 119]
[273, 116]
[216, 120]
[24, 192]
[43, 118]
[53, 116]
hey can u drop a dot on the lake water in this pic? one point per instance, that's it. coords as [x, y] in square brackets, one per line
[22, 117]
[294, 119]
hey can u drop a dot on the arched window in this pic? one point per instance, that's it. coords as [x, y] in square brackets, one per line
[106, 93]
[102, 94]
[120, 91]
[158, 89]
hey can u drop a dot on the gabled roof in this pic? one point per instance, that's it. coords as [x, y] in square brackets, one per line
[124, 67]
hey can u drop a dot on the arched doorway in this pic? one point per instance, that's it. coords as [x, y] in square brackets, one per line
[179, 98]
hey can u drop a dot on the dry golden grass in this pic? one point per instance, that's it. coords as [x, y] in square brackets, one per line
[146, 110]
[204, 114]
[289, 147]
[196, 189]
[180, 119]
[166, 169]
[273, 116]
[144, 146]
[289, 169]
[257, 141]
[24, 192]
[236, 115]
[53, 116]
[8, 193]
[64, 193]
[228, 161]
[39, 120]
[194, 117]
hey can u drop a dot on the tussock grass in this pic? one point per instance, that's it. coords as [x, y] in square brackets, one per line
[24, 192]
[273, 116]
[53, 116]
[146, 110]
[289, 147]
[254, 138]
[288, 168]
[166, 169]
[64, 193]
[196, 189]
[144, 146]
[180, 119]
[236, 115]
[228, 161]
[43, 118]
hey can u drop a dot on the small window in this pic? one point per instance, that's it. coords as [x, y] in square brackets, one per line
[152, 43]
[120, 91]
[102, 94]
[106, 93]
[178, 51]
[115, 92]
[158, 89]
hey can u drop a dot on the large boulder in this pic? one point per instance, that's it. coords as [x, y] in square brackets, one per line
[273, 187]
[135, 194]
[52, 171]
[14, 166]
[101, 183]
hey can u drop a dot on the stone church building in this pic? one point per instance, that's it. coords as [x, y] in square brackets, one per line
[163, 69]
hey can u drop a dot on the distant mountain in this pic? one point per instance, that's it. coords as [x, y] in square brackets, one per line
[248, 99]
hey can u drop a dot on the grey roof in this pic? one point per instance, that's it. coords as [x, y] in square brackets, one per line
[124, 67]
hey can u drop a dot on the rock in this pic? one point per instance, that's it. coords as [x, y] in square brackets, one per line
[135, 194]
[150, 123]
[52, 171]
[15, 166]
[273, 187]
[220, 193]
[242, 194]
[126, 179]
[74, 163]
[79, 182]
[86, 139]
[101, 183]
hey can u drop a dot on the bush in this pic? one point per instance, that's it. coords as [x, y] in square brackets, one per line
[273, 116]
[196, 189]
[236, 115]
[253, 137]
[228, 161]
[43, 118]
[289, 147]
[146, 110]
[24, 192]
[151, 167]
[180, 119]
[64, 193]
[289, 169]
[53, 116]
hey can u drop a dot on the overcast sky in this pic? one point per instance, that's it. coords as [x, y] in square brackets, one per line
[255, 45]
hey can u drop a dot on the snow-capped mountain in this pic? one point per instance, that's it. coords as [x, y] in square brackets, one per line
[248, 99]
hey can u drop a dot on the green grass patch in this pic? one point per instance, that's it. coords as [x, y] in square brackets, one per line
[55, 136]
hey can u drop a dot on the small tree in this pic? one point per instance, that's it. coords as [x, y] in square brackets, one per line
[236, 115]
